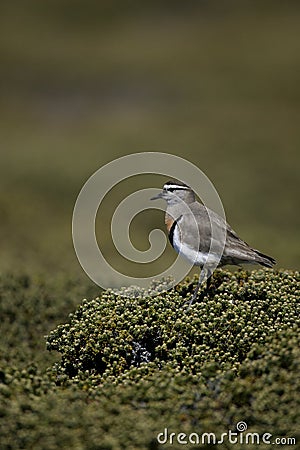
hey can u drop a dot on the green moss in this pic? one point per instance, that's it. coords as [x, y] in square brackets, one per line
[130, 368]
[109, 336]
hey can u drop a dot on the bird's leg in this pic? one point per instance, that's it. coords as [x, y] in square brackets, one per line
[208, 281]
[203, 274]
[195, 293]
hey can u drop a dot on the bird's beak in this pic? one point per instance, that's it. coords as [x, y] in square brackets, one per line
[156, 197]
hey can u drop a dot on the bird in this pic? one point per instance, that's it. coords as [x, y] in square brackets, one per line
[189, 225]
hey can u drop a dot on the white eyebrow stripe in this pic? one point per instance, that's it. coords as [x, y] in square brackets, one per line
[176, 186]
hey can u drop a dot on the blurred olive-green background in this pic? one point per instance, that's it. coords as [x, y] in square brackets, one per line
[83, 83]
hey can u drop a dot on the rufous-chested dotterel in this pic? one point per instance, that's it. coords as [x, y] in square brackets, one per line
[189, 225]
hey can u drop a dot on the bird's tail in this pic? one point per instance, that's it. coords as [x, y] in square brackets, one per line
[264, 260]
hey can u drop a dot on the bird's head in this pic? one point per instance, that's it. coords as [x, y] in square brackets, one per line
[175, 192]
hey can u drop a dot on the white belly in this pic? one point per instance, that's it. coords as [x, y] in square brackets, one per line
[195, 257]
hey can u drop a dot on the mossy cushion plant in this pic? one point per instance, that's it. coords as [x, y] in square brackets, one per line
[229, 357]
[132, 368]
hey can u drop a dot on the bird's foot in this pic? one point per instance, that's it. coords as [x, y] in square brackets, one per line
[204, 293]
